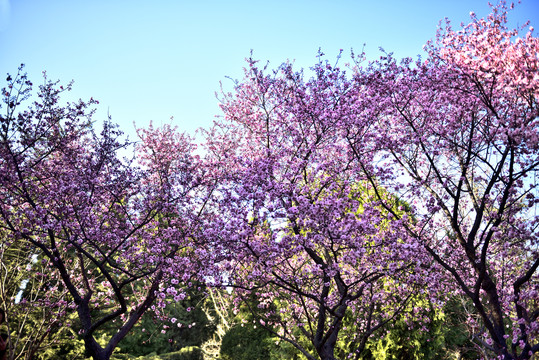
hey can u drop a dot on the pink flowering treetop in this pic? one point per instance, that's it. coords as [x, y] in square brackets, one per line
[119, 237]
[457, 137]
[303, 232]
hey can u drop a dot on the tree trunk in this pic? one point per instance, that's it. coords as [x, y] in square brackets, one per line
[95, 350]
[326, 352]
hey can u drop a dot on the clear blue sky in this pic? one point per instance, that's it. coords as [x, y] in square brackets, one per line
[150, 60]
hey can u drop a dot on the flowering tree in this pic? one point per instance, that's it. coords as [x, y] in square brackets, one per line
[457, 136]
[303, 232]
[119, 238]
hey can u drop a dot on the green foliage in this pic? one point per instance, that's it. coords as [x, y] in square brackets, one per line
[456, 334]
[246, 342]
[442, 336]
[403, 342]
[68, 346]
[153, 335]
[187, 353]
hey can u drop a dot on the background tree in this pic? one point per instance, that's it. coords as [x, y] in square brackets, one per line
[300, 227]
[119, 238]
[456, 135]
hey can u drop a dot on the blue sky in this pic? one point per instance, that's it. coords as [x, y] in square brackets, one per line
[152, 60]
